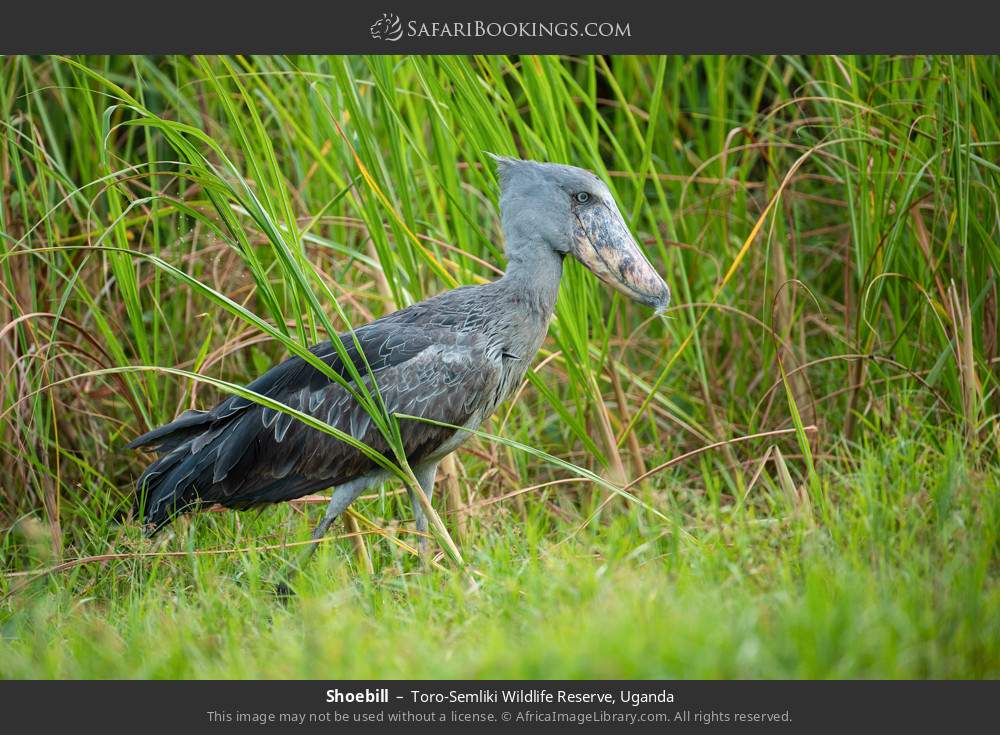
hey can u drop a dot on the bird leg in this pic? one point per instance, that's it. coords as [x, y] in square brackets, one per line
[343, 496]
[425, 476]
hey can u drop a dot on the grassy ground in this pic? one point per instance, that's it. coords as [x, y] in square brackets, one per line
[815, 421]
[891, 584]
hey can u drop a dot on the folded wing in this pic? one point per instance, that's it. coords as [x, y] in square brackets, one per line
[242, 454]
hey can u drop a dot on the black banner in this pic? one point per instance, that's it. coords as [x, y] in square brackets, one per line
[515, 26]
[801, 706]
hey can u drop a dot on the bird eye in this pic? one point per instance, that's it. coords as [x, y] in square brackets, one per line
[582, 197]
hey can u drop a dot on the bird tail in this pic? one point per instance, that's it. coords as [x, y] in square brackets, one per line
[169, 436]
[209, 457]
[169, 486]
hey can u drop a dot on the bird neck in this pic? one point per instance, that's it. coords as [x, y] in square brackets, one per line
[533, 272]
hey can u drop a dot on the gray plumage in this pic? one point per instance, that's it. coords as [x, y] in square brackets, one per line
[452, 358]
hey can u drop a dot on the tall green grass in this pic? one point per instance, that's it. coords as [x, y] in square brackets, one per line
[828, 225]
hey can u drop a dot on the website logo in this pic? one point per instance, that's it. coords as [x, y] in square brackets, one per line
[387, 28]
[390, 28]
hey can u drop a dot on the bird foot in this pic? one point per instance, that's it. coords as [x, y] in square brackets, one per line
[426, 553]
[283, 591]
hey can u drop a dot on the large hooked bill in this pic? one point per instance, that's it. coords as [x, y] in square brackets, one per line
[603, 243]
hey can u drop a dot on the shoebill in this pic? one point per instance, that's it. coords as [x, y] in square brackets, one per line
[452, 358]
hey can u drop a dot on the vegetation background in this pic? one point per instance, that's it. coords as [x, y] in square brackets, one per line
[809, 439]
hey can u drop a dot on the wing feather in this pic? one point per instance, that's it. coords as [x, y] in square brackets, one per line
[241, 453]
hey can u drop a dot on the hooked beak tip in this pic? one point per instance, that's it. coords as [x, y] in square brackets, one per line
[660, 302]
